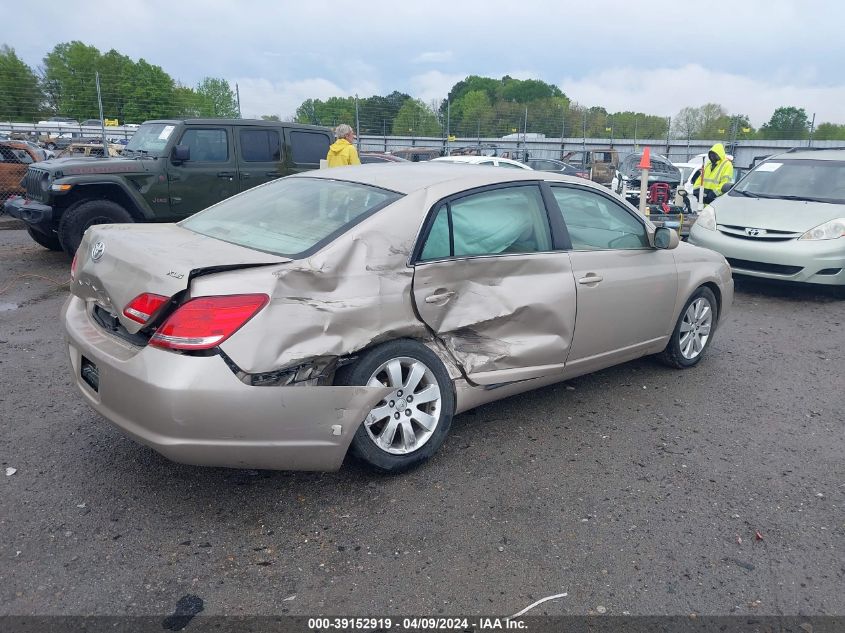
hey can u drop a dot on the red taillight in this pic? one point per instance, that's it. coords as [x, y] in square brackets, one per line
[73, 267]
[144, 306]
[205, 322]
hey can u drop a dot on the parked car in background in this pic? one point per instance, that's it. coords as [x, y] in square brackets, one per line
[168, 170]
[92, 123]
[629, 175]
[379, 157]
[417, 154]
[784, 220]
[364, 307]
[557, 166]
[15, 157]
[89, 150]
[489, 161]
[601, 164]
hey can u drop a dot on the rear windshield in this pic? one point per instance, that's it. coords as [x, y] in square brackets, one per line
[291, 217]
[811, 180]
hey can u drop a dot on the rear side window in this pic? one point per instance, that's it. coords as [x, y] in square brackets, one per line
[260, 146]
[493, 222]
[208, 146]
[308, 147]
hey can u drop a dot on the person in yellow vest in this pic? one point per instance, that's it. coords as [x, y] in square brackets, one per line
[717, 173]
[342, 151]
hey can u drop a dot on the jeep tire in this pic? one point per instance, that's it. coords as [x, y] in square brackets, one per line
[47, 241]
[77, 219]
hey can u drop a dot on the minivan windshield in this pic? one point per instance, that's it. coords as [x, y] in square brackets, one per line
[150, 139]
[292, 216]
[795, 179]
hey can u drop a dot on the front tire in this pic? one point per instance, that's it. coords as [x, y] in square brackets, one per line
[409, 425]
[50, 242]
[78, 219]
[693, 331]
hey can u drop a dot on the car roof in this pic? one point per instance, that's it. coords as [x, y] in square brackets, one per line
[833, 153]
[239, 122]
[472, 160]
[409, 177]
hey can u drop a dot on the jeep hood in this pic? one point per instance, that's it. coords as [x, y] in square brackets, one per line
[83, 166]
[794, 216]
[155, 258]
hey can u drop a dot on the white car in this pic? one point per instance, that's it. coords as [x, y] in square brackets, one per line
[489, 161]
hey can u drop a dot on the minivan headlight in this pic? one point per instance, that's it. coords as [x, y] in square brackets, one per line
[827, 231]
[707, 218]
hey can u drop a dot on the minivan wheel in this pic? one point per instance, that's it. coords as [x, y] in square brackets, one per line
[77, 219]
[693, 331]
[47, 241]
[408, 426]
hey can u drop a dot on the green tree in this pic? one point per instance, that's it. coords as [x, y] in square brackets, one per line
[20, 95]
[69, 80]
[186, 103]
[270, 117]
[471, 113]
[377, 113]
[415, 118]
[787, 122]
[217, 100]
[527, 90]
[150, 94]
[332, 112]
[829, 132]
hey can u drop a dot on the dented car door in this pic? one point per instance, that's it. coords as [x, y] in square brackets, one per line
[491, 285]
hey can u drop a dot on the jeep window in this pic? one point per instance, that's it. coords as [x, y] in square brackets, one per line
[795, 179]
[292, 216]
[308, 147]
[206, 145]
[260, 146]
[14, 155]
[150, 139]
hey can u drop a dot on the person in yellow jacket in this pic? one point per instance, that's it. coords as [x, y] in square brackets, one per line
[717, 173]
[342, 151]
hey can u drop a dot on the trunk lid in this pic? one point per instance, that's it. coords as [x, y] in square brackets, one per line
[118, 262]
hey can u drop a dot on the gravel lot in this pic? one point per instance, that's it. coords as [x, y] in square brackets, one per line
[638, 489]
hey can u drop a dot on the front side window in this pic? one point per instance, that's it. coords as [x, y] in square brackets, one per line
[597, 223]
[150, 139]
[308, 147]
[493, 222]
[289, 216]
[260, 146]
[207, 145]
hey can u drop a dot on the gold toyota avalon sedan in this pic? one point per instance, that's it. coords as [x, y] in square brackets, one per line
[363, 307]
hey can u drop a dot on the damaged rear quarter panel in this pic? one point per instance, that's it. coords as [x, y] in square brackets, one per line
[354, 293]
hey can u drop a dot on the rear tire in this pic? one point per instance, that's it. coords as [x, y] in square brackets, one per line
[76, 221]
[693, 331]
[50, 242]
[401, 432]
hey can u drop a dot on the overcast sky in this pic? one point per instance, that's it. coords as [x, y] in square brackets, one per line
[654, 56]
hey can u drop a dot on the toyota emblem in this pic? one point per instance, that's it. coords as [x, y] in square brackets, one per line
[97, 251]
[754, 232]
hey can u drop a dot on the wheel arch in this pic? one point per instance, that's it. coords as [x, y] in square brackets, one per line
[111, 191]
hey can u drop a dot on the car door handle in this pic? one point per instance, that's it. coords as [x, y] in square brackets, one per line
[439, 296]
[245, 175]
[590, 279]
[226, 174]
[272, 174]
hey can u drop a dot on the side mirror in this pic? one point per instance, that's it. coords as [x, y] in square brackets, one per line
[665, 238]
[727, 187]
[180, 154]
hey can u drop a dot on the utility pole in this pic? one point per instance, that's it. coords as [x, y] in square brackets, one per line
[668, 128]
[525, 136]
[238, 97]
[584, 129]
[357, 125]
[103, 121]
[812, 129]
[448, 120]
[562, 131]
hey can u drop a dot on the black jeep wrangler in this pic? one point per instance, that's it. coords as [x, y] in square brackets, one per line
[168, 170]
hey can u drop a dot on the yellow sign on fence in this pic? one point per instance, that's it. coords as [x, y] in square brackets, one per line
[111, 122]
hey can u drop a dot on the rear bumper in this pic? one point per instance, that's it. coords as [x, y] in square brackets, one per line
[38, 216]
[813, 262]
[194, 410]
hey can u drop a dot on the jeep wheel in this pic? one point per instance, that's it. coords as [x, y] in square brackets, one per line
[76, 221]
[47, 241]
